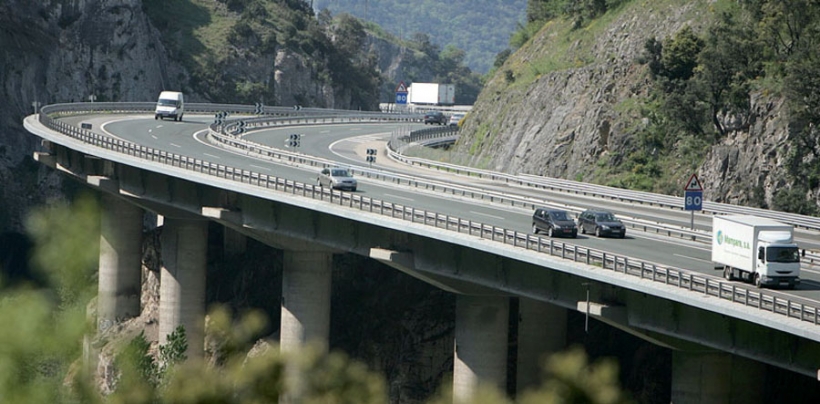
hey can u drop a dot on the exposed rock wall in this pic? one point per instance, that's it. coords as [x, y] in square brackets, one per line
[565, 122]
[63, 51]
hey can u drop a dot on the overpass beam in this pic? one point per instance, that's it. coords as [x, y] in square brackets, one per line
[120, 270]
[715, 377]
[482, 325]
[305, 316]
[182, 281]
[542, 330]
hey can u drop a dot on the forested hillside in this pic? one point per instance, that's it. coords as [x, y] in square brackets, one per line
[639, 94]
[481, 28]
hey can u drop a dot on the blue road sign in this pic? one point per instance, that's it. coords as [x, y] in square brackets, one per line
[401, 93]
[693, 200]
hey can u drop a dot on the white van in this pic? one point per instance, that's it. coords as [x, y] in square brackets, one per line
[170, 104]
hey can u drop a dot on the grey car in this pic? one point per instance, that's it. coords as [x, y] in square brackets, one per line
[554, 222]
[337, 178]
[601, 223]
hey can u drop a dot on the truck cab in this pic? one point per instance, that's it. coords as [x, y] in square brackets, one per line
[778, 259]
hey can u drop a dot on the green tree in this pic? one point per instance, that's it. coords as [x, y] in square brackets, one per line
[41, 342]
[678, 58]
[727, 66]
[572, 379]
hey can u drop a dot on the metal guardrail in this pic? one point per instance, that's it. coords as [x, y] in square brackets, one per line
[603, 191]
[145, 107]
[401, 140]
[231, 137]
[677, 277]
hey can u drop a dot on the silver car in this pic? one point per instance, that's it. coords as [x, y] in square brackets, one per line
[337, 178]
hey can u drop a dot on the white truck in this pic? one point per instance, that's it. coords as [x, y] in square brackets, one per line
[170, 104]
[755, 249]
[432, 94]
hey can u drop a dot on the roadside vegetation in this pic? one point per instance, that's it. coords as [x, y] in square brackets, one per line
[212, 39]
[479, 27]
[702, 86]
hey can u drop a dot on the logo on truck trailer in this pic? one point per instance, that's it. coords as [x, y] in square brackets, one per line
[723, 238]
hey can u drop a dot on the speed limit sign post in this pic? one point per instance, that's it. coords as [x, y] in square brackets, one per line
[693, 197]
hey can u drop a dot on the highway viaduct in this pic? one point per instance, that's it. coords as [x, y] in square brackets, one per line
[719, 347]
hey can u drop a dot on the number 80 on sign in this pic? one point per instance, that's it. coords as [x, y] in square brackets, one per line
[693, 200]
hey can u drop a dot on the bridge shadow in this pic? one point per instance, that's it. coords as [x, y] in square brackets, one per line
[804, 285]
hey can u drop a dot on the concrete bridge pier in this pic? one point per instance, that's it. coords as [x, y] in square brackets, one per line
[305, 318]
[182, 281]
[120, 265]
[715, 377]
[542, 330]
[305, 299]
[482, 324]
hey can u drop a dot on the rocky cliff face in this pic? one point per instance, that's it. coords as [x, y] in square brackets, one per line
[568, 121]
[55, 51]
[65, 51]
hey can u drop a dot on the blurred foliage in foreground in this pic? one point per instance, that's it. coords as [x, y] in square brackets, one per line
[43, 328]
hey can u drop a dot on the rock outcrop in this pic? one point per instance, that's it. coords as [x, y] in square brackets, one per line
[570, 120]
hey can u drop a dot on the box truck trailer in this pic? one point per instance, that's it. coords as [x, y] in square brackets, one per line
[757, 250]
[432, 94]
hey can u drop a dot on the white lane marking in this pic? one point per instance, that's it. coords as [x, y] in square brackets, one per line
[399, 197]
[691, 258]
[363, 139]
[260, 167]
[175, 145]
[211, 155]
[324, 131]
[812, 270]
[488, 215]
[159, 126]
[155, 138]
[354, 157]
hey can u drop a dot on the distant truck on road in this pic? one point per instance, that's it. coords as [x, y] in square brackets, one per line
[432, 94]
[757, 250]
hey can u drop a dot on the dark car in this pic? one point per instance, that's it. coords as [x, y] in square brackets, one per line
[554, 222]
[432, 117]
[602, 223]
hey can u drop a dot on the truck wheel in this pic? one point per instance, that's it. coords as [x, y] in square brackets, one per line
[534, 229]
[757, 281]
[727, 273]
